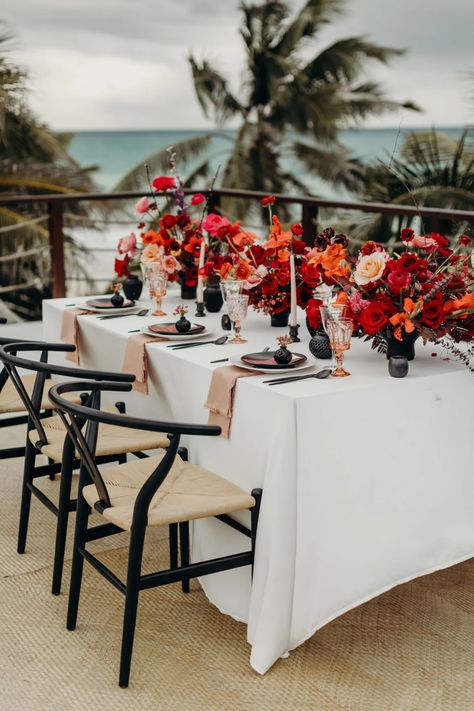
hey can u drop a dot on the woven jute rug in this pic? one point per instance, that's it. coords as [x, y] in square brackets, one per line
[410, 649]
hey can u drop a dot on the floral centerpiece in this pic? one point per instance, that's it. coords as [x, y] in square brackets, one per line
[172, 241]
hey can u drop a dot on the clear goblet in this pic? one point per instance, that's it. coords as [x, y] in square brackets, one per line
[237, 306]
[340, 332]
[158, 280]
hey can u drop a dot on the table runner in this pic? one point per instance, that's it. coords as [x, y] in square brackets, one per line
[367, 483]
[70, 332]
[220, 398]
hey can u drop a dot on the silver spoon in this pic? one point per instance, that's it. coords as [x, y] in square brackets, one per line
[179, 346]
[143, 312]
[321, 375]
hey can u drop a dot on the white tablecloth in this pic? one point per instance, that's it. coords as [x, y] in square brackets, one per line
[368, 480]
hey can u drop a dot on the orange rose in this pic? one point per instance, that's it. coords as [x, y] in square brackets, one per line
[242, 271]
[225, 270]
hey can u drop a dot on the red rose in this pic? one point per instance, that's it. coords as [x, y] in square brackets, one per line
[313, 313]
[386, 304]
[296, 229]
[283, 276]
[373, 318]
[298, 246]
[191, 276]
[270, 288]
[370, 247]
[408, 262]
[311, 275]
[163, 183]
[269, 200]
[407, 234]
[167, 221]
[433, 313]
[399, 280]
[465, 240]
[197, 199]
[183, 220]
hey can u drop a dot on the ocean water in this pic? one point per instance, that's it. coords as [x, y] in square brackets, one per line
[115, 153]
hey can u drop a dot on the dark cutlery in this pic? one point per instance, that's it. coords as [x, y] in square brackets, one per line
[143, 312]
[321, 375]
[179, 346]
[223, 360]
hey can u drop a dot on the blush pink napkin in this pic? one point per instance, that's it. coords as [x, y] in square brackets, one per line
[70, 332]
[220, 398]
[135, 360]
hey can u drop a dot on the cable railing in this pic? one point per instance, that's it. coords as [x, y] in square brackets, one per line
[434, 219]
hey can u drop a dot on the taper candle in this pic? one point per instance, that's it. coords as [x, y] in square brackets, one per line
[200, 285]
[292, 321]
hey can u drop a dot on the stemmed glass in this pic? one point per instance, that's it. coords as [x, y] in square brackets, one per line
[237, 306]
[147, 268]
[158, 280]
[340, 332]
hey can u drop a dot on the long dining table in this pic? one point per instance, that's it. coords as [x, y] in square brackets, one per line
[367, 480]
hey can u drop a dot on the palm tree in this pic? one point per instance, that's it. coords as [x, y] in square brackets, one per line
[33, 160]
[432, 170]
[295, 97]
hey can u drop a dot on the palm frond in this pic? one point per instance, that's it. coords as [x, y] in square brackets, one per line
[213, 92]
[333, 164]
[306, 23]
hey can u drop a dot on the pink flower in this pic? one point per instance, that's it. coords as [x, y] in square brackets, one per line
[421, 242]
[213, 223]
[197, 199]
[143, 205]
[171, 264]
[128, 245]
[357, 303]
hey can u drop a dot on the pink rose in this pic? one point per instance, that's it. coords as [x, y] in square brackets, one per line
[213, 223]
[171, 264]
[143, 205]
[197, 199]
[128, 245]
[421, 242]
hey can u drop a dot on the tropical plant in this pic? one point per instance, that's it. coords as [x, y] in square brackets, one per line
[295, 97]
[33, 160]
[431, 170]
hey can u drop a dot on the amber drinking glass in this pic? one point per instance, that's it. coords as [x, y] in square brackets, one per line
[158, 280]
[340, 332]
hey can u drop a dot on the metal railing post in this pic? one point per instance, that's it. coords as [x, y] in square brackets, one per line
[56, 245]
[308, 222]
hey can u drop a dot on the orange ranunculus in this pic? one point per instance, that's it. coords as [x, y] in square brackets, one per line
[152, 237]
[278, 238]
[332, 260]
[244, 238]
[242, 271]
[225, 270]
[400, 321]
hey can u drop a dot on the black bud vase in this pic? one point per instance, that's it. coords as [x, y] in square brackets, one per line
[132, 287]
[212, 295]
[280, 320]
[183, 325]
[319, 345]
[405, 347]
[282, 356]
[398, 366]
[117, 300]
[188, 292]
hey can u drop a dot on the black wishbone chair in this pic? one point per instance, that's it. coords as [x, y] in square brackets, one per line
[11, 404]
[156, 491]
[49, 437]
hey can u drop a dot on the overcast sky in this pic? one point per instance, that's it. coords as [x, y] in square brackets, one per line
[121, 64]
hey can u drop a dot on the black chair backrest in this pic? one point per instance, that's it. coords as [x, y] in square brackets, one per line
[44, 370]
[74, 416]
[5, 342]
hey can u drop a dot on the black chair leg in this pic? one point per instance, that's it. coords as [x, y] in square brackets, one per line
[62, 519]
[173, 538]
[80, 532]
[254, 514]
[184, 545]
[30, 456]
[137, 539]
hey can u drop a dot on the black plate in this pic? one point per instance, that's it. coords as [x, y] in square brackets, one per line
[265, 360]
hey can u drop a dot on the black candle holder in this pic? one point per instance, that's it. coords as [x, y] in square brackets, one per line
[294, 333]
[200, 308]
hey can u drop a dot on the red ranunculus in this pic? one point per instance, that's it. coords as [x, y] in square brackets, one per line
[465, 240]
[268, 200]
[407, 234]
[399, 280]
[313, 313]
[370, 247]
[442, 244]
[183, 220]
[120, 266]
[311, 275]
[197, 199]
[168, 221]
[162, 183]
[373, 318]
[296, 229]
[408, 262]
[433, 313]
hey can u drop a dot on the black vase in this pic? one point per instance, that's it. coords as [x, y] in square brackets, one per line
[132, 287]
[405, 347]
[398, 366]
[212, 295]
[183, 325]
[188, 292]
[280, 320]
[312, 331]
[319, 345]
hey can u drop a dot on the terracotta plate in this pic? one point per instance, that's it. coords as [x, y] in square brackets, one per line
[169, 329]
[265, 360]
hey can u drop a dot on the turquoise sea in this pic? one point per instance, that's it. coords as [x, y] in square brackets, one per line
[117, 152]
